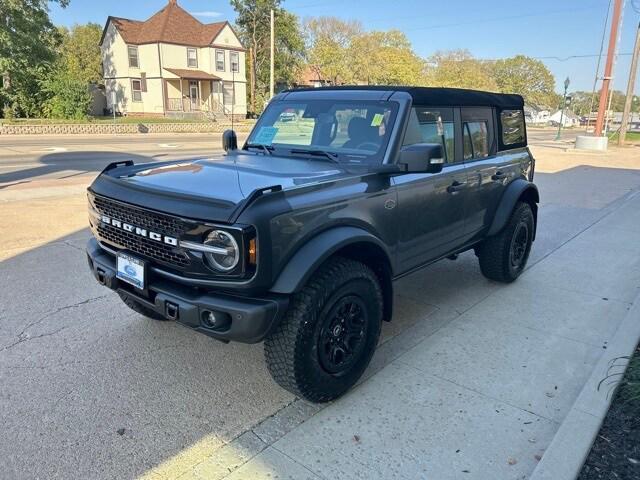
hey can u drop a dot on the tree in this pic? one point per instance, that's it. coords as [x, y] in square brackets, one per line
[28, 41]
[80, 52]
[384, 58]
[68, 95]
[527, 77]
[458, 69]
[253, 22]
[331, 46]
[342, 52]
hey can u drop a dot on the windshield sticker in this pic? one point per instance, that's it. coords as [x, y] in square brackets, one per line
[266, 135]
[377, 120]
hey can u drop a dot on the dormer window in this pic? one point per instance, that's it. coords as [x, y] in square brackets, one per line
[192, 58]
[220, 60]
[133, 56]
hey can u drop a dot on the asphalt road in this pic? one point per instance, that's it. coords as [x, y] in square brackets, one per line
[92, 390]
[34, 157]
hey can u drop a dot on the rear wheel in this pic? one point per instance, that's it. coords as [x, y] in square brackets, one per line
[140, 308]
[504, 256]
[325, 341]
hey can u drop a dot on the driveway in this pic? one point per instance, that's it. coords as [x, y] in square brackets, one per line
[92, 390]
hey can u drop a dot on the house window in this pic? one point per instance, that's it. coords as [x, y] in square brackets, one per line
[133, 57]
[192, 58]
[136, 90]
[234, 57]
[220, 60]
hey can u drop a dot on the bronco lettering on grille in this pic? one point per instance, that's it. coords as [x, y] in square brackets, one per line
[139, 231]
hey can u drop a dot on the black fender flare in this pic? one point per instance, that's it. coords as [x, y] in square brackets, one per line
[313, 253]
[519, 188]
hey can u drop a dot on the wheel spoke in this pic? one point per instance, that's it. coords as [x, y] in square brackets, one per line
[342, 336]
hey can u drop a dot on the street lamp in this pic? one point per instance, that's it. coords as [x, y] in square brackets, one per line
[564, 104]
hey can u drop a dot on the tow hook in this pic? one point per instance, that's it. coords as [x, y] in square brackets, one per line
[171, 311]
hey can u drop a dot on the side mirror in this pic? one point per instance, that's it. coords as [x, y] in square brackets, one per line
[422, 158]
[229, 140]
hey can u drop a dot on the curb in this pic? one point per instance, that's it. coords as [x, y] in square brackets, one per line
[565, 456]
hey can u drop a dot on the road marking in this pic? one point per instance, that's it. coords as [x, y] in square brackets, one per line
[52, 150]
[28, 165]
[168, 145]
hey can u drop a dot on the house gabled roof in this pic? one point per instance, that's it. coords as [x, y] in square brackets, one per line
[172, 24]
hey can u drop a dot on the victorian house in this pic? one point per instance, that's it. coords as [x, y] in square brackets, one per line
[172, 64]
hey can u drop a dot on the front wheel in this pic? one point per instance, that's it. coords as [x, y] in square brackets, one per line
[503, 256]
[325, 341]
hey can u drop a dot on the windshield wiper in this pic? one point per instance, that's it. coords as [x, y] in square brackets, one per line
[333, 157]
[267, 149]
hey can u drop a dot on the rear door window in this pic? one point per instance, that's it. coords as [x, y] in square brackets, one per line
[512, 125]
[477, 133]
[476, 140]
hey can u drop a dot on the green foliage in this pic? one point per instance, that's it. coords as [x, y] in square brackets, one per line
[527, 77]
[68, 95]
[342, 52]
[80, 52]
[458, 69]
[330, 48]
[581, 102]
[28, 41]
[253, 25]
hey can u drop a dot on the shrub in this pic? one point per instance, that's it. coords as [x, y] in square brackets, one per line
[69, 97]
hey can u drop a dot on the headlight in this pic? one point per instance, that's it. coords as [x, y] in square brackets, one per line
[224, 254]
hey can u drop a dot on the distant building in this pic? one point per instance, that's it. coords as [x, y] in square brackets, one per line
[172, 64]
[311, 77]
[534, 115]
[569, 119]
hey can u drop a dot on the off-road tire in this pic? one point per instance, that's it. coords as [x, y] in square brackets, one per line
[294, 350]
[139, 308]
[495, 253]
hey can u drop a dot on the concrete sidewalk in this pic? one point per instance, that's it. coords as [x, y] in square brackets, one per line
[475, 393]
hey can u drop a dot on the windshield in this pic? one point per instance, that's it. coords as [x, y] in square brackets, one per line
[345, 131]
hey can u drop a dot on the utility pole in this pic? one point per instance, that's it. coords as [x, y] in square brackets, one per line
[606, 80]
[564, 105]
[271, 69]
[630, 86]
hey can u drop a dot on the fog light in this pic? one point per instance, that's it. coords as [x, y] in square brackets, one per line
[215, 320]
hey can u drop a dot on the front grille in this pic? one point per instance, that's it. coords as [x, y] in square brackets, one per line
[151, 221]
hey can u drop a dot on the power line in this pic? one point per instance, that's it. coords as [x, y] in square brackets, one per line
[496, 19]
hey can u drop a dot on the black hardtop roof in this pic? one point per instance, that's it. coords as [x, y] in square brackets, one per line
[434, 96]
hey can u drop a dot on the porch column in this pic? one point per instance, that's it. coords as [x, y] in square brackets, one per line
[199, 95]
[181, 96]
[210, 94]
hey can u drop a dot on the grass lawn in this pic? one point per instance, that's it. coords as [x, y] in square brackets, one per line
[630, 137]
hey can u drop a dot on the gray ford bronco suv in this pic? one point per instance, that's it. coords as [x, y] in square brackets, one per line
[295, 239]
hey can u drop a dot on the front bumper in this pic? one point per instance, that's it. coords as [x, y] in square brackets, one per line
[251, 319]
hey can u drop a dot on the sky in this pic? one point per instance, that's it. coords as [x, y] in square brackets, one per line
[555, 31]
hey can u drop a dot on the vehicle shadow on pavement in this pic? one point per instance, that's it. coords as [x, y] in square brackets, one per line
[73, 162]
[93, 390]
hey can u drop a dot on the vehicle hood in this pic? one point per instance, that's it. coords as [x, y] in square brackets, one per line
[213, 189]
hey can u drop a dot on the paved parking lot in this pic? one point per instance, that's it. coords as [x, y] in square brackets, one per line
[92, 390]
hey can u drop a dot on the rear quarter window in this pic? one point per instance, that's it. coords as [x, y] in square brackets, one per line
[512, 127]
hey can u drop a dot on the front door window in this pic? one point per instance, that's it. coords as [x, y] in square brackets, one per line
[194, 95]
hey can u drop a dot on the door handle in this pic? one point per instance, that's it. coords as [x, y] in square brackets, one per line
[455, 187]
[498, 176]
